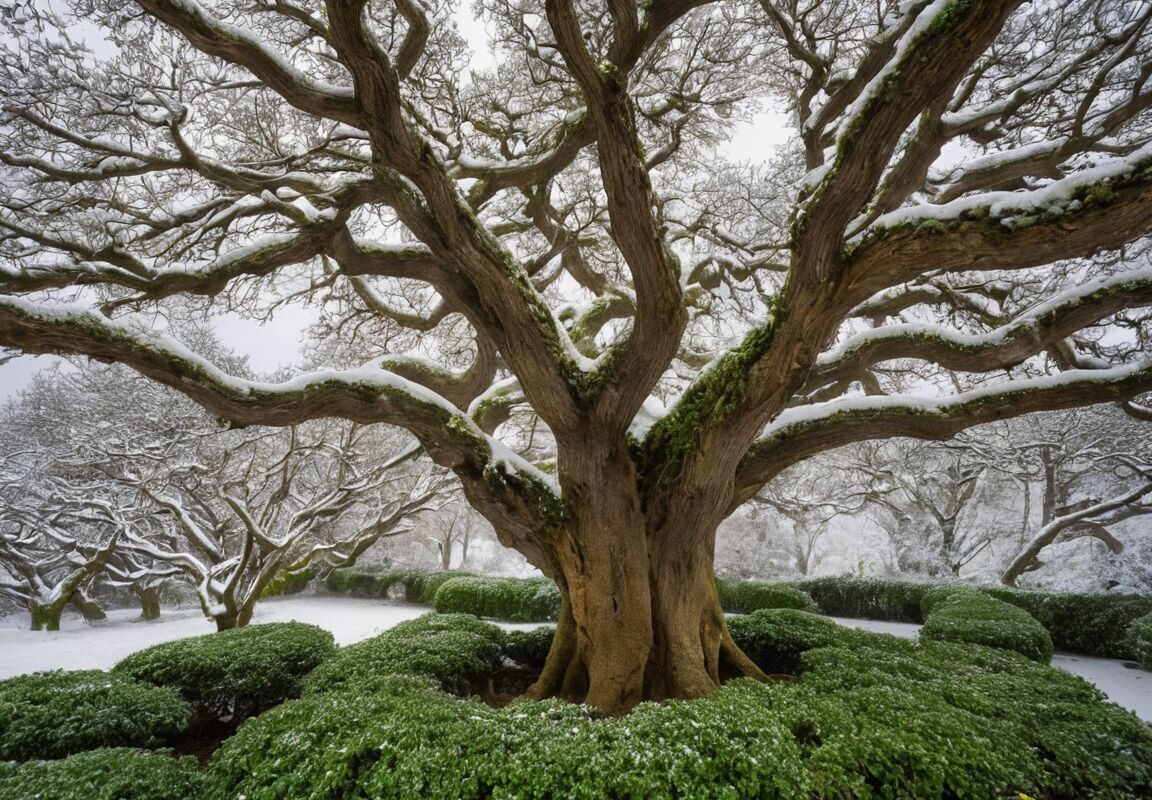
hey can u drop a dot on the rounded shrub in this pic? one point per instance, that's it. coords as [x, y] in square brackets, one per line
[775, 638]
[1089, 624]
[934, 597]
[455, 651]
[514, 599]
[975, 618]
[53, 714]
[748, 596]
[867, 598]
[237, 672]
[105, 774]
[874, 717]
[529, 648]
[1140, 640]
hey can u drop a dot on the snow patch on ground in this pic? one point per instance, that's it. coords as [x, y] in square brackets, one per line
[99, 646]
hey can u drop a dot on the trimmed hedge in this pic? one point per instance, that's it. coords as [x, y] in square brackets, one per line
[54, 714]
[776, 638]
[876, 718]
[1089, 624]
[1140, 640]
[237, 672]
[974, 618]
[529, 648]
[744, 597]
[934, 597]
[418, 586]
[1093, 625]
[514, 599]
[867, 598]
[455, 651]
[105, 774]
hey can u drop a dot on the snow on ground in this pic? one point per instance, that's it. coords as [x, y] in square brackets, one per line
[1123, 682]
[98, 646]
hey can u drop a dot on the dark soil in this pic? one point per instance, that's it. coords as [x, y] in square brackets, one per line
[508, 683]
[203, 738]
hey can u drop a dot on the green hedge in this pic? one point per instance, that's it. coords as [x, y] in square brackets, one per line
[934, 597]
[1089, 624]
[874, 718]
[776, 638]
[105, 774]
[867, 598]
[53, 714]
[744, 597]
[237, 672]
[974, 618]
[455, 651]
[529, 648]
[418, 586]
[514, 599]
[1094, 625]
[1140, 640]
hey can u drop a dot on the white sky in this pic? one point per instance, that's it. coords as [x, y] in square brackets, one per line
[277, 343]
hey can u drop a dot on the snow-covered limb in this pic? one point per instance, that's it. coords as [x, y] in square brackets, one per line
[1121, 506]
[799, 432]
[1027, 335]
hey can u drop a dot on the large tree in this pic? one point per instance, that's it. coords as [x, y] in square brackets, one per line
[957, 168]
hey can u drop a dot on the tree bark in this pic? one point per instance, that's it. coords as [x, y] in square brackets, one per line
[640, 619]
[87, 607]
[149, 603]
[45, 616]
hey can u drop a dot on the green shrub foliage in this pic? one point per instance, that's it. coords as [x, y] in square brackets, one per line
[1089, 624]
[934, 597]
[867, 598]
[53, 714]
[529, 648]
[745, 597]
[975, 618]
[237, 672]
[455, 651]
[514, 599]
[1094, 625]
[874, 717]
[414, 586]
[1140, 640]
[105, 774]
[775, 638]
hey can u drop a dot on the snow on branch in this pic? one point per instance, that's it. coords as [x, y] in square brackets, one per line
[1006, 346]
[800, 432]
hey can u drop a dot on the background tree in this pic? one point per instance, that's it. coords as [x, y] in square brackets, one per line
[563, 219]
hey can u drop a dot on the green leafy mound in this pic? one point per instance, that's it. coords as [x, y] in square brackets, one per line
[514, 599]
[1140, 637]
[54, 714]
[105, 774]
[934, 597]
[876, 717]
[417, 586]
[529, 648]
[1089, 624]
[745, 597]
[776, 638]
[867, 598]
[976, 618]
[236, 672]
[456, 651]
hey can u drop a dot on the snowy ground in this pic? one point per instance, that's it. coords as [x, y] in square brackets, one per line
[99, 646]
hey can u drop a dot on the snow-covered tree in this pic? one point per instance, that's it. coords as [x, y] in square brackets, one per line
[259, 505]
[967, 190]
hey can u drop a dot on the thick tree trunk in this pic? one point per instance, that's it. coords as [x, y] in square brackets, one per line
[45, 616]
[149, 603]
[640, 618]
